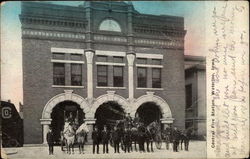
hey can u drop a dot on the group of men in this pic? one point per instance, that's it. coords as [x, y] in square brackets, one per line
[115, 136]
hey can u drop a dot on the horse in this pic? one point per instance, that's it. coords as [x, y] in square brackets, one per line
[81, 134]
[153, 134]
[134, 138]
[69, 135]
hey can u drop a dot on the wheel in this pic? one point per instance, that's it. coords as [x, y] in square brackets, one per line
[158, 144]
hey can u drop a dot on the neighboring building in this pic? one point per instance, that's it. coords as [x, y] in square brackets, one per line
[11, 129]
[97, 62]
[195, 77]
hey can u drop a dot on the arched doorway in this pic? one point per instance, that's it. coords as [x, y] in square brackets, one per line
[62, 111]
[108, 113]
[148, 112]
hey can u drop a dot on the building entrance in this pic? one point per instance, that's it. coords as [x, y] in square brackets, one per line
[62, 111]
[148, 112]
[107, 114]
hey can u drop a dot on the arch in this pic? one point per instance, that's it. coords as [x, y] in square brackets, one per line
[163, 106]
[68, 95]
[110, 96]
[110, 24]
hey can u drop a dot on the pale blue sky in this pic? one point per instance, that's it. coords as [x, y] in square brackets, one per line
[11, 53]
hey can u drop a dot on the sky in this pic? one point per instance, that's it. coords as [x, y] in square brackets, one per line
[11, 44]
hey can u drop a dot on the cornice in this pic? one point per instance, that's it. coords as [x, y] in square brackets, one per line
[81, 23]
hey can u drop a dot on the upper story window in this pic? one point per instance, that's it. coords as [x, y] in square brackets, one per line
[141, 61]
[156, 61]
[102, 58]
[118, 59]
[76, 74]
[142, 77]
[156, 78]
[110, 25]
[102, 75]
[58, 74]
[76, 57]
[118, 76]
[58, 56]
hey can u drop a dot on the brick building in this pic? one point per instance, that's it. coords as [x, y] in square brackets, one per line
[195, 83]
[98, 61]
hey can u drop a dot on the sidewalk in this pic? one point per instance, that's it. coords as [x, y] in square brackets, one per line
[197, 149]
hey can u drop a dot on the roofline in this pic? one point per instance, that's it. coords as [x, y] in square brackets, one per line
[194, 58]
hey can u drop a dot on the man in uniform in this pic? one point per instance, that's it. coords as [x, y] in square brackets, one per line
[116, 139]
[149, 140]
[126, 140]
[167, 134]
[176, 138]
[141, 137]
[50, 141]
[96, 140]
[105, 139]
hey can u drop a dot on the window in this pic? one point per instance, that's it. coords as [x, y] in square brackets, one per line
[76, 74]
[156, 61]
[102, 58]
[110, 25]
[76, 57]
[189, 96]
[141, 61]
[142, 77]
[156, 77]
[118, 76]
[58, 74]
[58, 56]
[102, 75]
[118, 59]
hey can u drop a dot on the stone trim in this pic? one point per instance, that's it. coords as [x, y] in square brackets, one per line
[152, 56]
[45, 121]
[110, 96]
[150, 66]
[67, 50]
[66, 61]
[167, 120]
[52, 34]
[110, 53]
[110, 63]
[110, 87]
[63, 86]
[68, 95]
[150, 97]
[157, 89]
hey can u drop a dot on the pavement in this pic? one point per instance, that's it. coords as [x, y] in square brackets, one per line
[197, 149]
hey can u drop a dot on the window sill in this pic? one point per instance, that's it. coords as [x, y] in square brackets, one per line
[110, 63]
[63, 86]
[157, 89]
[110, 87]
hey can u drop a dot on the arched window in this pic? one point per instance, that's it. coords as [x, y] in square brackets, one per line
[110, 25]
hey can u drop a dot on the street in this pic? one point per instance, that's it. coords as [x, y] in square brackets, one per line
[197, 149]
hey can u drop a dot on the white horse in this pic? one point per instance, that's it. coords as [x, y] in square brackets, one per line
[81, 134]
[69, 135]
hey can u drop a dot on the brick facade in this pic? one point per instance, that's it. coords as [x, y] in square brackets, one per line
[46, 26]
